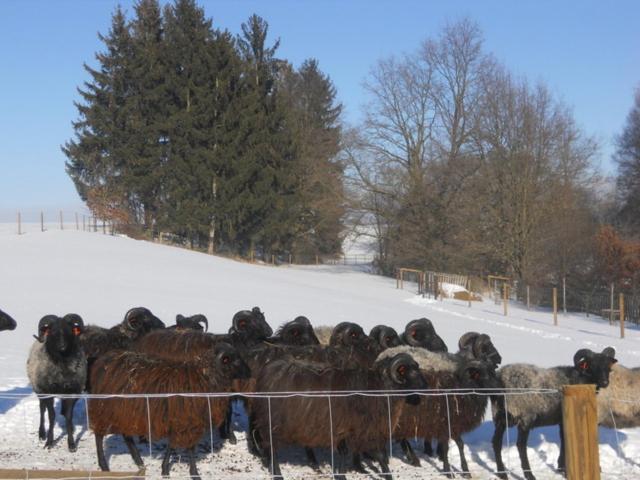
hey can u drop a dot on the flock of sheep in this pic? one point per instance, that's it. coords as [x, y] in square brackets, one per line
[140, 356]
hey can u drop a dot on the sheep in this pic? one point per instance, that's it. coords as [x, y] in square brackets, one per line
[193, 322]
[251, 322]
[183, 420]
[137, 322]
[539, 409]
[360, 424]
[618, 403]
[57, 365]
[445, 416]
[6, 322]
[386, 337]
[420, 333]
[479, 346]
[296, 332]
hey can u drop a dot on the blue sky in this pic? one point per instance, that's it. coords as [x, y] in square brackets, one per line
[587, 52]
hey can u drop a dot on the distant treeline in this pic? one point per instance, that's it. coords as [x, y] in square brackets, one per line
[186, 129]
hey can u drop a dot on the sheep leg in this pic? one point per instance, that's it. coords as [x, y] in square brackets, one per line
[521, 443]
[52, 420]
[356, 460]
[428, 449]
[165, 461]
[311, 457]
[133, 450]
[193, 469]
[409, 453]
[41, 431]
[443, 453]
[67, 408]
[463, 460]
[496, 441]
[561, 463]
[226, 429]
[339, 468]
[383, 460]
[102, 460]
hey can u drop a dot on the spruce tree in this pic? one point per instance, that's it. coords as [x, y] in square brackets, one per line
[98, 153]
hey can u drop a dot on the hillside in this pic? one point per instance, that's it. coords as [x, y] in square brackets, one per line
[100, 277]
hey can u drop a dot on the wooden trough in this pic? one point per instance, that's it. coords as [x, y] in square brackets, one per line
[25, 474]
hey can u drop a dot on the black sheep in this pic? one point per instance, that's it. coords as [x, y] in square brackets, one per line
[6, 322]
[385, 336]
[194, 322]
[420, 333]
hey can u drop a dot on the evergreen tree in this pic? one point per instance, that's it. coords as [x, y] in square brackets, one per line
[314, 119]
[98, 154]
[260, 188]
[148, 140]
[190, 167]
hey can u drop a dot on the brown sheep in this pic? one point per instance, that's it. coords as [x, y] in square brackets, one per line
[360, 423]
[183, 420]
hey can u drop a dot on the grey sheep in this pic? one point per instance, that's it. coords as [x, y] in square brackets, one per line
[57, 365]
[618, 405]
[542, 409]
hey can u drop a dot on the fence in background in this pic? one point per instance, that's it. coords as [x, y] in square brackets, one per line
[580, 421]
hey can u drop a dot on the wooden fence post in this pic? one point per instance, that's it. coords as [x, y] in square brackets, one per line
[621, 307]
[504, 297]
[564, 295]
[470, 294]
[61, 221]
[611, 307]
[84, 223]
[555, 306]
[528, 299]
[580, 427]
[104, 227]
[77, 222]
[41, 221]
[317, 261]
[19, 224]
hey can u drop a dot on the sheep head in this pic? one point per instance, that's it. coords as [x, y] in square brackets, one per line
[385, 336]
[250, 326]
[401, 372]
[299, 331]
[479, 346]
[60, 335]
[595, 367]
[139, 321]
[6, 322]
[420, 333]
[195, 322]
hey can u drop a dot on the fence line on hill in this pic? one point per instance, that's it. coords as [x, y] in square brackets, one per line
[572, 442]
[619, 308]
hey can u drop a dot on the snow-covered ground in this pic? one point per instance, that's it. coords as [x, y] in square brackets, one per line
[100, 277]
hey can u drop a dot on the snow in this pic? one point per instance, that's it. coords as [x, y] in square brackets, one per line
[101, 276]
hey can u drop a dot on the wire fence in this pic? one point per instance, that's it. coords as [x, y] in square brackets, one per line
[21, 409]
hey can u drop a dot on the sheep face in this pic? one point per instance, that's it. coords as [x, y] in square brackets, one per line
[420, 333]
[595, 367]
[386, 337]
[139, 321]
[480, 347]
[6, 322]
[195, 322]
[401, 372]
[229, 363]
[479, 374]
[60, 335]
[250, 326]
[347, 334]
[298, 332]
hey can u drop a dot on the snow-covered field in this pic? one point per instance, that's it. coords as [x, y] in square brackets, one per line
[100, 277]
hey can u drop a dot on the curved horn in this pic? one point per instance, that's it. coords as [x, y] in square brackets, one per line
[203, 319]
[581, 354]
[467, 339]
[609, 352]
[302, 320]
